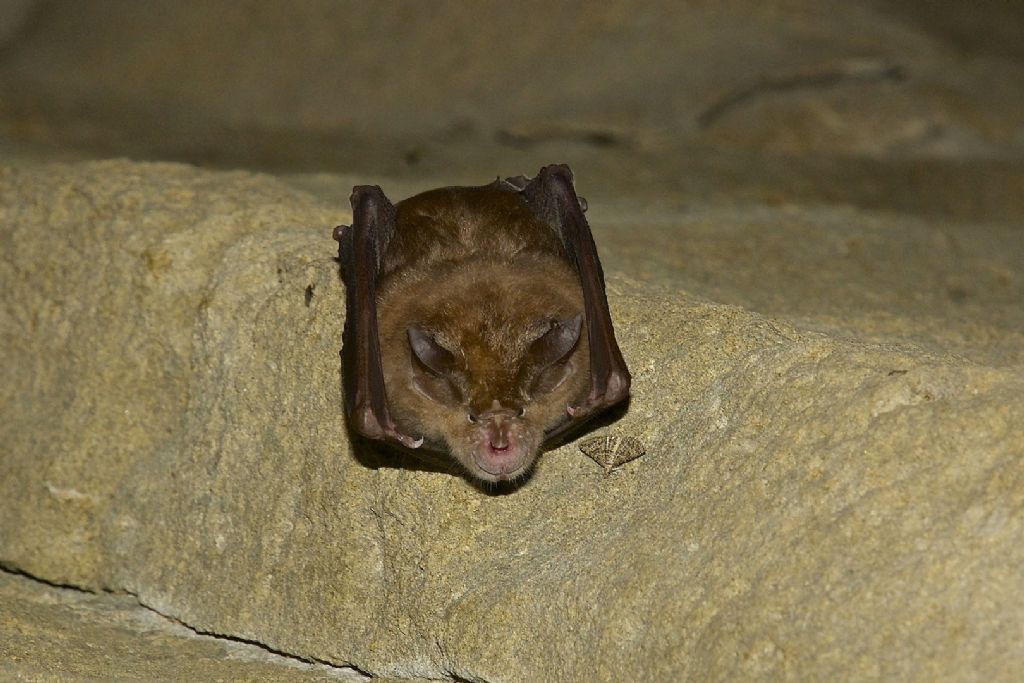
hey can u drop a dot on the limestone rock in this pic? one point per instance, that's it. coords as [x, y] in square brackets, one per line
[822, 496]
[312, 85]
[59, 634]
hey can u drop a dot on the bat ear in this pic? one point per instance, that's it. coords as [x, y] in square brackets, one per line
[557, 342]
[434, 357]
[434, 378]
[550, 348]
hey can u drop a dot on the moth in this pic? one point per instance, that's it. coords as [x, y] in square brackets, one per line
[611, 452]
[477, 323]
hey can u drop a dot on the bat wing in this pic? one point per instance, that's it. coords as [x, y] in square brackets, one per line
[360, 248]
[552, 197]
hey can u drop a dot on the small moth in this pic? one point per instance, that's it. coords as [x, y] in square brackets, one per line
[611, 451]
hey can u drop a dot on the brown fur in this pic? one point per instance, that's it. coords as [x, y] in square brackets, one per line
[475, 269]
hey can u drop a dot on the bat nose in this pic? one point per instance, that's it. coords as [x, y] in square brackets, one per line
[498, 431]
[501, 412]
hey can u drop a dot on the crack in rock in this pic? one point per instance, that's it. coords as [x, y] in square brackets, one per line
[820, 76]
[236, 647]
[345, 672]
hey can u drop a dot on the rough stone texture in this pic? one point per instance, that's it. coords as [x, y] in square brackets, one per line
[812, 502]
[58, 634]
[810, 218]
[314, 84]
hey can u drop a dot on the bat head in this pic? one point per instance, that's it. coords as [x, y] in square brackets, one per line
[495, 390]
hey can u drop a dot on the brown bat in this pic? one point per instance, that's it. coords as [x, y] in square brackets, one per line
[466, 309]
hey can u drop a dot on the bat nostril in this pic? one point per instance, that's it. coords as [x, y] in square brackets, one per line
[499, 445]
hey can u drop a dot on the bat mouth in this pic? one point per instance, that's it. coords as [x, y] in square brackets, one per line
[501, 459]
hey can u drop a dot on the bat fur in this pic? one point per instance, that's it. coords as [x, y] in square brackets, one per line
[476, 321]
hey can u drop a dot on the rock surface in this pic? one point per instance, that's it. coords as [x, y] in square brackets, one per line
[810, 219]
[313, 86]
[54, 633]
[820, 496]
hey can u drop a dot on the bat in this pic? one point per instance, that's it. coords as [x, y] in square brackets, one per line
[476, 321]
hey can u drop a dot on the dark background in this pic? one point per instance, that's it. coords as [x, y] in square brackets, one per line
[881, 104]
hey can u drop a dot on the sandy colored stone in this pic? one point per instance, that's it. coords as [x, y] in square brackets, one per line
[809, 214]
[822, 496]
[58, 634]
[313, 85]
[112, 379]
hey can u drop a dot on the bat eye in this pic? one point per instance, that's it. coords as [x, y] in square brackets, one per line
[471, 417]
[522, 412]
